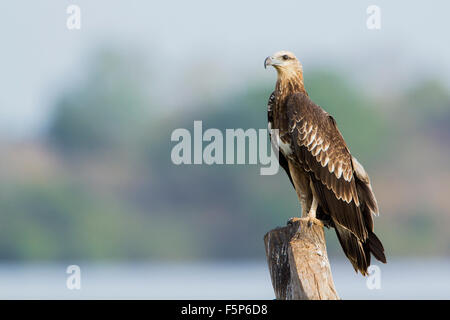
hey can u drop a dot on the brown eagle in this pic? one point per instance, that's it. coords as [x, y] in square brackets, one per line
[332, 186]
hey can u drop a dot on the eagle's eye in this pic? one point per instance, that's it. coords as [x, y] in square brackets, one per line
[285, 57]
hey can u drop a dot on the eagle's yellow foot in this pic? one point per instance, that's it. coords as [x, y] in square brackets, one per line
[292, 220]
[312, 220]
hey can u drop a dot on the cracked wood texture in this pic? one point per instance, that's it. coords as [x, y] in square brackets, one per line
[298, 262]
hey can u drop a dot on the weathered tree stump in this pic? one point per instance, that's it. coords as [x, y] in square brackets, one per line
[298, 262]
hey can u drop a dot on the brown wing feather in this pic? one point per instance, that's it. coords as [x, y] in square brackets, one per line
[281, 159]
[368, 208]
[363, 186]
[356, 252]
[322, 151]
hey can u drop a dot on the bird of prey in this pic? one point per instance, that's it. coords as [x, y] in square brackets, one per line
[332, 186]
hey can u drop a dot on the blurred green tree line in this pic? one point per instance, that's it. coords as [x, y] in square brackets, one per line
[111, 192]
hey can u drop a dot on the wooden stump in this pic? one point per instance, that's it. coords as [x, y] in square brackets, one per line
[298, 262]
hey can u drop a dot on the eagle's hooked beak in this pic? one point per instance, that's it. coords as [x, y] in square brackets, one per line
[267, 62]
[270, 61]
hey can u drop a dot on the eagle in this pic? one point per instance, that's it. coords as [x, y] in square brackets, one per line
[332, 186]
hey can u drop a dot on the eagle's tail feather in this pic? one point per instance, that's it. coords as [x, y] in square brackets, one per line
[356, 252]
[376, 247]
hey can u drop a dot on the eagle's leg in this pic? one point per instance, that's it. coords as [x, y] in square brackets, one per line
[304, 205]
[312, 211]
[301, 183]
[311, 215]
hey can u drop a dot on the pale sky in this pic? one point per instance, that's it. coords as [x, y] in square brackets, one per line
[40, 56]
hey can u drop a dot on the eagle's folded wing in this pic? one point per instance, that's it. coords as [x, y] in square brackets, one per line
[321, 150]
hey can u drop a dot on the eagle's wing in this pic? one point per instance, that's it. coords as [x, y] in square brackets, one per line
[368, 206]
[343, 194]
[281, 159]
[321, 150]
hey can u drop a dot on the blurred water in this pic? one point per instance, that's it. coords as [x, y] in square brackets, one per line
[401, 279]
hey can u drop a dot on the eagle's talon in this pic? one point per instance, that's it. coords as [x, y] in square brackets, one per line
[311, 220]
[291, 221]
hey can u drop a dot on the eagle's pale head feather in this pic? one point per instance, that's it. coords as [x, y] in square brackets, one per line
[285, 63]
[289, 69]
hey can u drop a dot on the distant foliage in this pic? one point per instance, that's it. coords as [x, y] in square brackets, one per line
[111, 192]
[107, 109]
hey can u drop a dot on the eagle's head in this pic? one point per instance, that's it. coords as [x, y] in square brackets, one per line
[285, 63]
